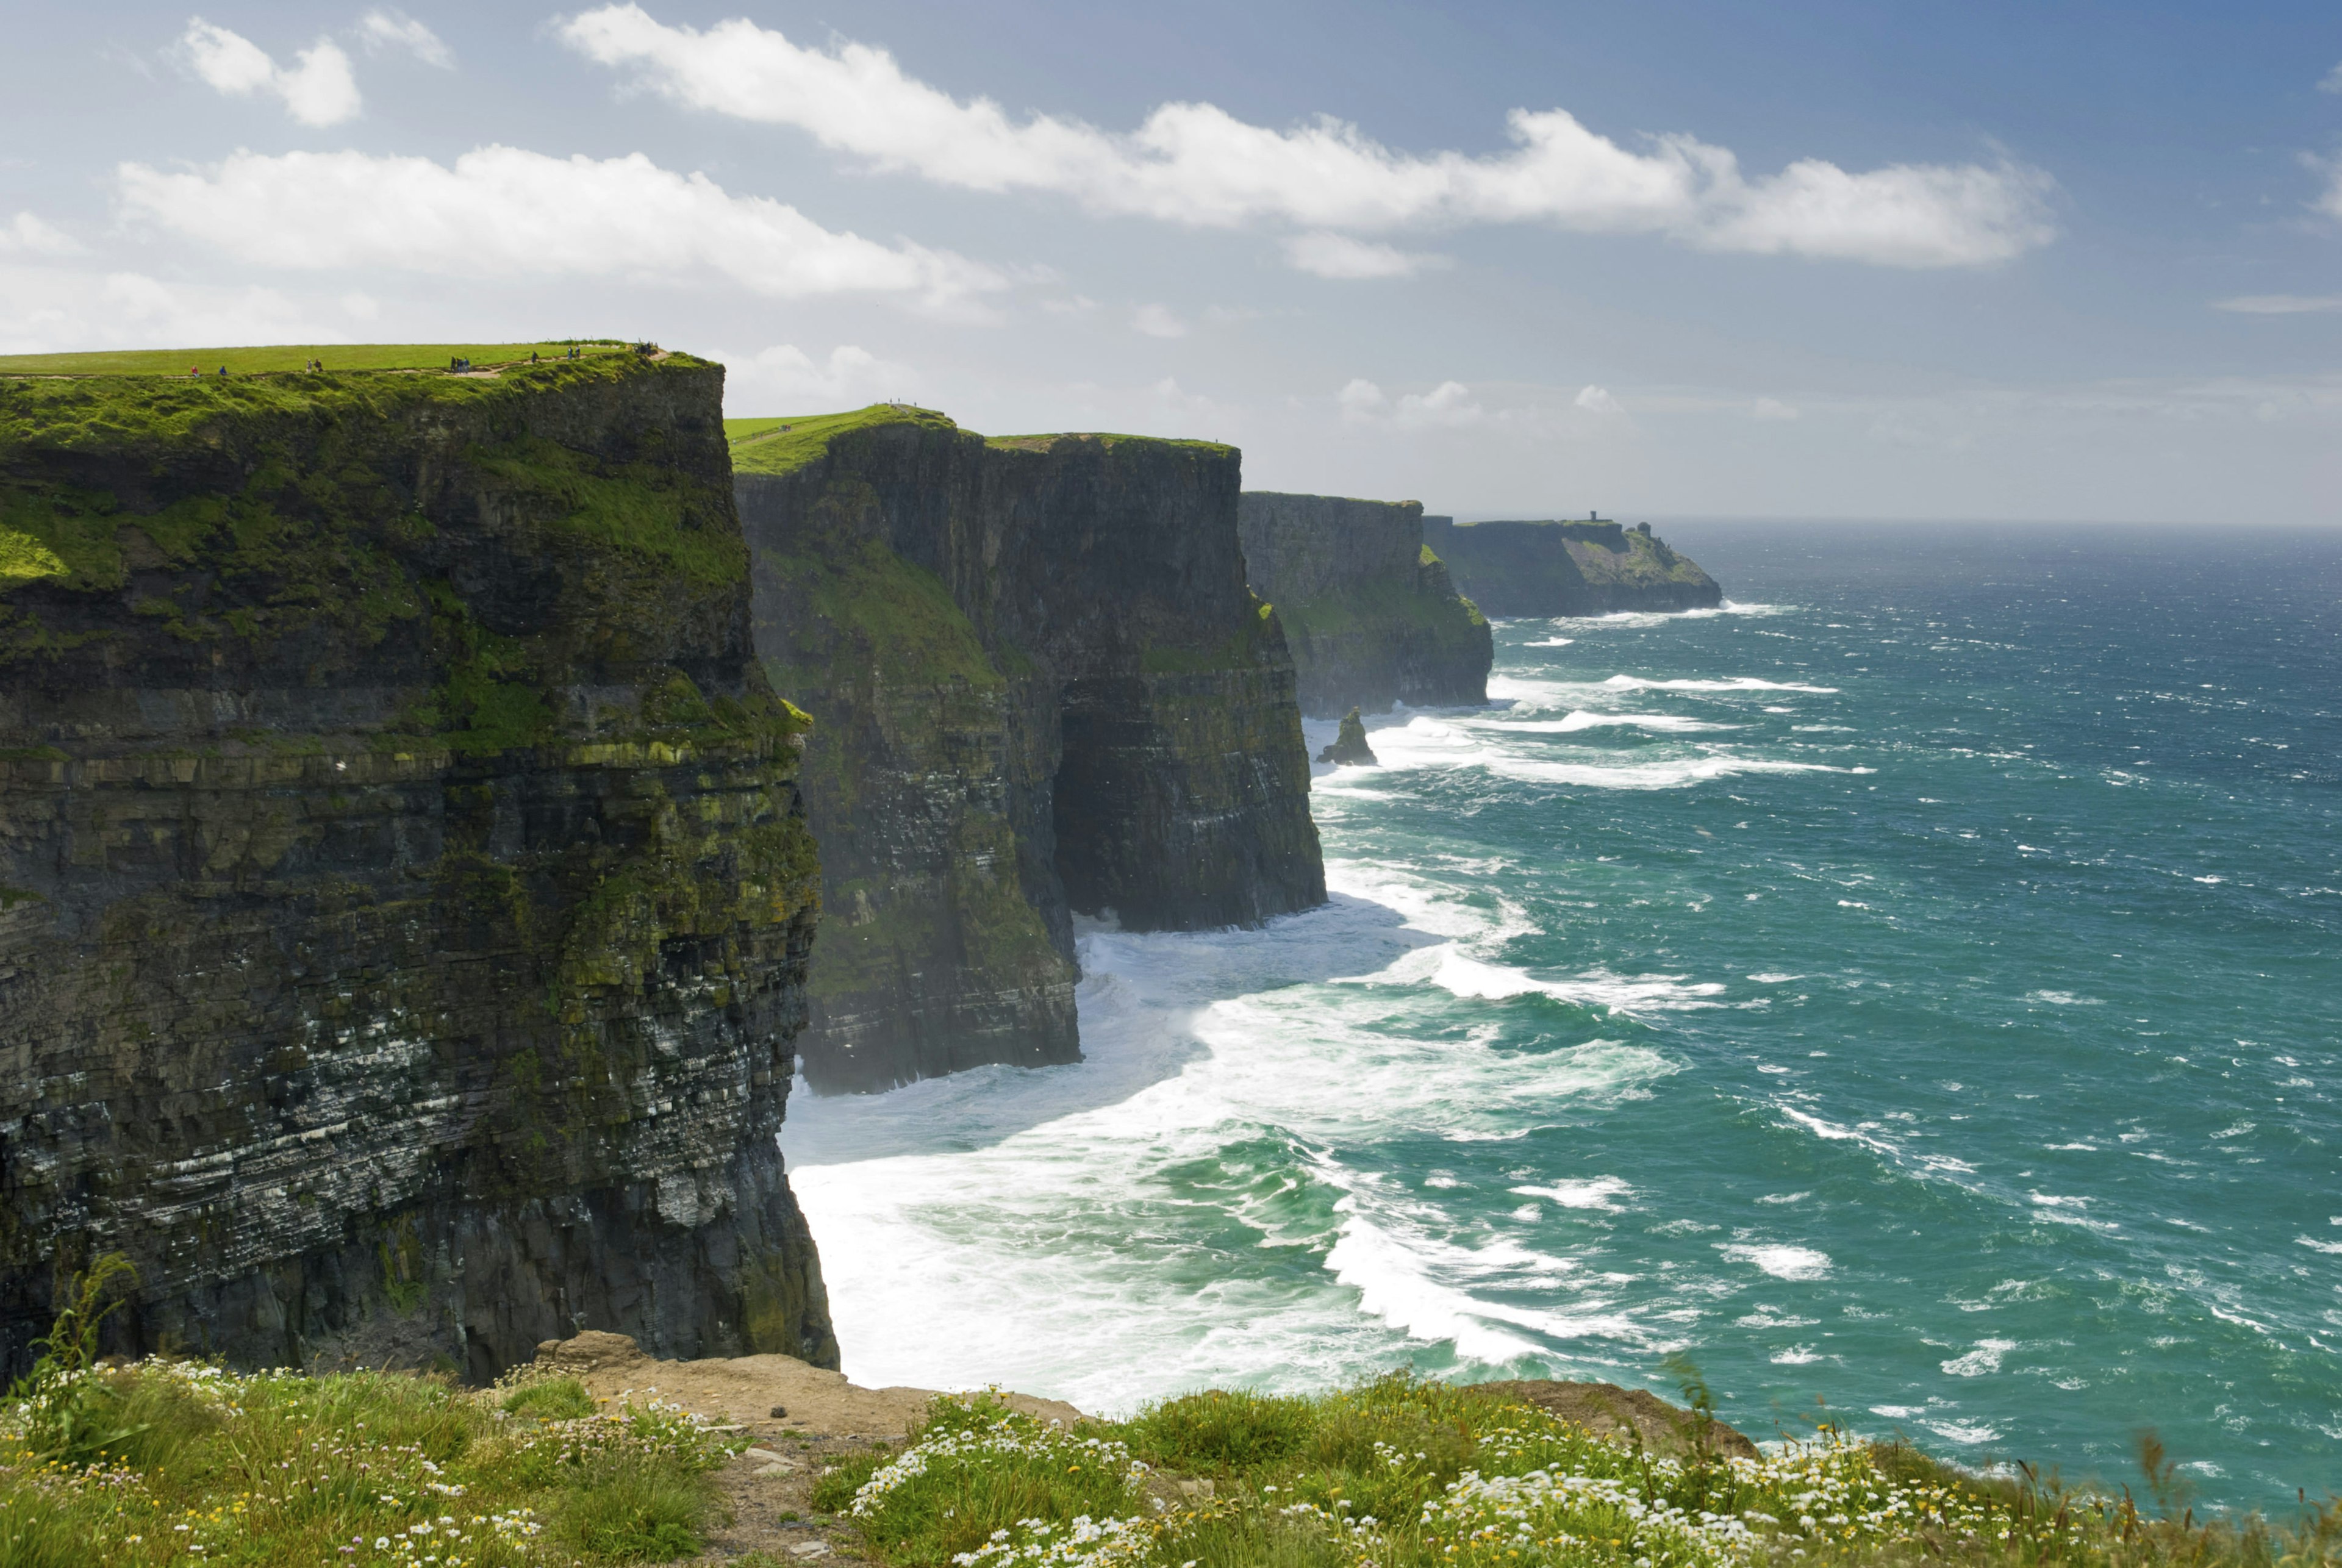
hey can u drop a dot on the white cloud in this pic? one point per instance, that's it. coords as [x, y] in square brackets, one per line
[1194, 163]
[1449, 405]
[1771, 408]
[2332, 83]
[1361, 402]
[502, 212]
[49, 309]
[2329, 202]
[1597, 400]
[2279, 304]
[388, 27]
[1340, 256]
[1156, 321]
[319, 89]
[784, 378]
[26, 234]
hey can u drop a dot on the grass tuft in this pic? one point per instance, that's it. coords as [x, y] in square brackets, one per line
[626, 1509]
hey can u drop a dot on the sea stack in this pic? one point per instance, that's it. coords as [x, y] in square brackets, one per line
[1349, 748]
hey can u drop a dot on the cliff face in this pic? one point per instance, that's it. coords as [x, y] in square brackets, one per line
[407, 896]
[1040, 686]
[1367, 607]
[1568, 568]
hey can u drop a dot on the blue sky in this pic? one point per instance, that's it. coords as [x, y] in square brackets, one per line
[1662, 259]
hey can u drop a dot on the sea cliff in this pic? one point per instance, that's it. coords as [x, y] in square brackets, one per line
[1554, 568]
[1040, 687]
[407, 896]
[1368, 609]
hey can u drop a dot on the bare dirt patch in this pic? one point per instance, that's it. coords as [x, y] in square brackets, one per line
[823, 1421]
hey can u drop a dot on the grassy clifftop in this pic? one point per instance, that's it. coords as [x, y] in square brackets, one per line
[783, 444]
[275, 358]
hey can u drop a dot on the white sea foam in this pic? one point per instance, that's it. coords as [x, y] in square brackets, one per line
[1595, 1193]
[1629, 619]
[1198, 1045]
[1783, 1263]
[1395, 1284]
[1550, 643]
[1984, 1358]
[1734, 683]
[1581, 719]
[1460, 976]
[1963, 1431]
[1674, 774]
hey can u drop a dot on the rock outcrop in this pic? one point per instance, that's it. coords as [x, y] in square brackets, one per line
[1554, 568]
[407, 894]
[1349, 747]
[1368, 610]
[1040, 686]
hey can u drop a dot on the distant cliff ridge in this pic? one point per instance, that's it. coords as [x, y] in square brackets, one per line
[1368, 609]
[406, 895]
[1559, 568]
[1039, 686]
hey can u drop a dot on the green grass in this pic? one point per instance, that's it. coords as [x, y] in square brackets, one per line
[276, 358]
[280, 1467]
[1407, 1473]
[1105, 437]
[782, 445]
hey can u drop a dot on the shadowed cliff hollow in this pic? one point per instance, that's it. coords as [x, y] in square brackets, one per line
[1368, 608]
[1039, 686]
[1567, 568]
[408, 897]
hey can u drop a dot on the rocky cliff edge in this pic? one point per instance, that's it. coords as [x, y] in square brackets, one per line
[1040, 687]
[406, 893]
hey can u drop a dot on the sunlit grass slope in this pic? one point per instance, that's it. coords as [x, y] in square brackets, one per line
[1403, 1473]
[294, 356]
[180, 1463]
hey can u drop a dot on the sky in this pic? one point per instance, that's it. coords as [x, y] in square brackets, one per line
[1674, 258]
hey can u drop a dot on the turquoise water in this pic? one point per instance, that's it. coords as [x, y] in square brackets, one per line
[1915, 987]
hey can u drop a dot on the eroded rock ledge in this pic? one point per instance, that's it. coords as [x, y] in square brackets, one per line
[406, 893]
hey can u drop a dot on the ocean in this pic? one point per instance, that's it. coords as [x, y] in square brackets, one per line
[1912, 992]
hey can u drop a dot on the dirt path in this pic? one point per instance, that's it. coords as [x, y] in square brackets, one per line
[804, 1420]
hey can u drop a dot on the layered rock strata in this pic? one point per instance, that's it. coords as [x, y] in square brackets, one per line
[407, 896]
[1554, 568]
[1368, 609]
[1040, 687]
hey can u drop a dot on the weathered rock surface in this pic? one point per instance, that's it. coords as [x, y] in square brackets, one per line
[1368, 609]
[408, 897]
[1040, 686]
[1349, 748]
[1554, 568]
[745, 1389]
